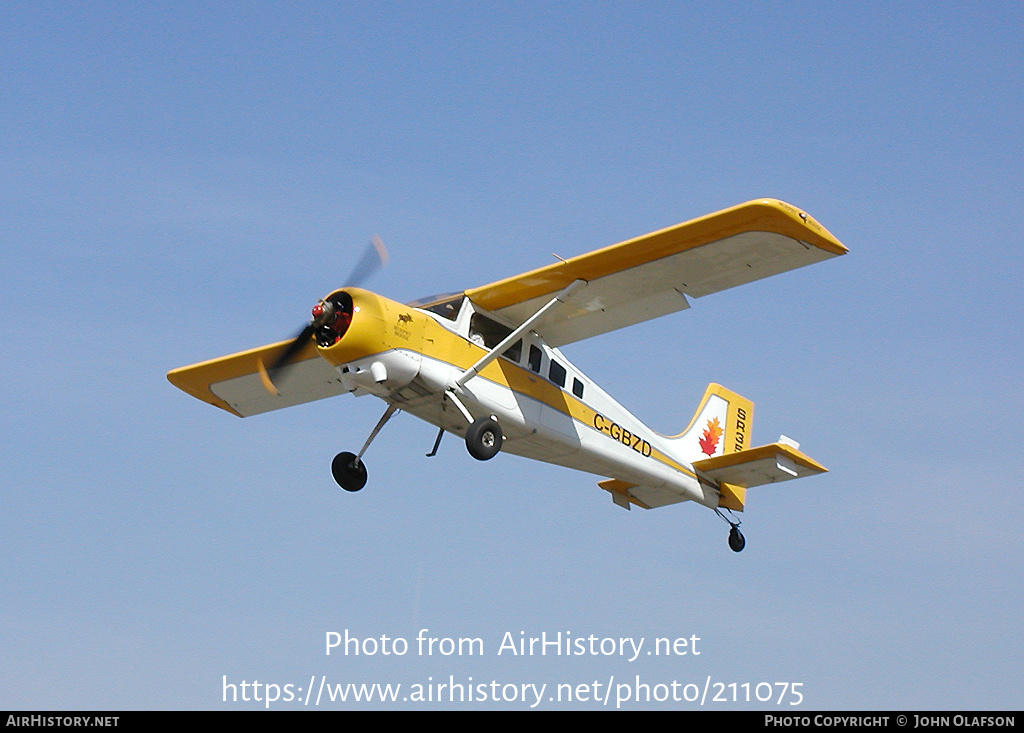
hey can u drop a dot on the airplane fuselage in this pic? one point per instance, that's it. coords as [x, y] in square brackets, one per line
[547, 408]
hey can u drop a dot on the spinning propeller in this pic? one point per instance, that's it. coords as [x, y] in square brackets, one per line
[325, 313]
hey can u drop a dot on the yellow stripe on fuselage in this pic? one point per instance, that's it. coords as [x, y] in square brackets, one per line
[381, 325]
[461, 353]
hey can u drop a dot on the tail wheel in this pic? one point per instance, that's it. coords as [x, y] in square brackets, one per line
[483, 439]
[736, 540]
[349, 471]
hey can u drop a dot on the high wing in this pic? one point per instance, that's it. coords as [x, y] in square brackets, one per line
[614, 287]
[233, 382]
[652, 275]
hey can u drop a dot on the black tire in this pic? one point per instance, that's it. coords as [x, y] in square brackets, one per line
[736, 540]
[349, 472]
[483, 439]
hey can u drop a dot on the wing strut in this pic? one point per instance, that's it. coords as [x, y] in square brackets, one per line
[516, 334]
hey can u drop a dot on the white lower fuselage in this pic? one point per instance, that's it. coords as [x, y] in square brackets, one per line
[575, 424]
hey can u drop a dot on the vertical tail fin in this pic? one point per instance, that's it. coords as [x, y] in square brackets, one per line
[720, 426]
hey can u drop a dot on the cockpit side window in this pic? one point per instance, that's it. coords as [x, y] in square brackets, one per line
[486, 332]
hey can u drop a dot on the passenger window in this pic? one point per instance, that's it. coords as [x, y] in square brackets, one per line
[556, 373]
[515, 351]
[535, 358]
[577, 387]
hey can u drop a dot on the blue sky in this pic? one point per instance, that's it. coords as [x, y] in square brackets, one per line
[180, 181]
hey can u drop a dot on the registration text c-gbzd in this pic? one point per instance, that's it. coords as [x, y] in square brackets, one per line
[619, 433]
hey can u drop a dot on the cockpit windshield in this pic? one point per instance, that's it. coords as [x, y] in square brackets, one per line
[445, 305]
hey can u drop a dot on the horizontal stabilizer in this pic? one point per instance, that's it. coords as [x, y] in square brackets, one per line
[767, 464]
[625, 494]
[620, 492]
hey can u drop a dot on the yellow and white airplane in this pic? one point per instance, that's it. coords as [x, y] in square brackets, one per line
[484, 364]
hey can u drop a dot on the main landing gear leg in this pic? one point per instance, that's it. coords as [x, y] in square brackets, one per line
[348, 468]
[736, 539]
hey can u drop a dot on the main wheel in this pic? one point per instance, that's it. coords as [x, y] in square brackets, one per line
[483, 439]
[349, 471]
[736, 540]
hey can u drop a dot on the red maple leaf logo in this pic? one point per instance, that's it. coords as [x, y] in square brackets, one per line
[709, 440]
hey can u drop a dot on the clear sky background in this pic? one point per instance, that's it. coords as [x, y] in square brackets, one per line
[183, 180]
